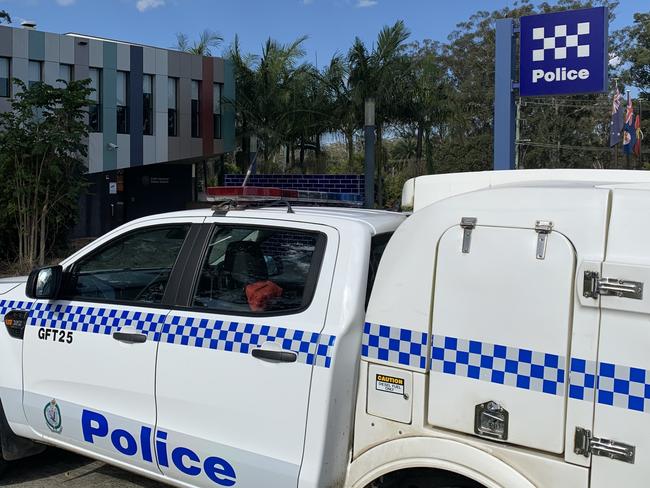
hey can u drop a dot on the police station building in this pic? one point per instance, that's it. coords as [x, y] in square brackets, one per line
[156, 116]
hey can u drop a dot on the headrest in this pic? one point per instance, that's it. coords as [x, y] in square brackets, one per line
[245, 262]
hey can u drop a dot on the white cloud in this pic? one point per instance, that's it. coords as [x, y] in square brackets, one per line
[65, 3]
[366, 3]
[143, 5]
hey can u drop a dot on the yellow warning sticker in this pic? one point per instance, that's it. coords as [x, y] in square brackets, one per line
[390, 384]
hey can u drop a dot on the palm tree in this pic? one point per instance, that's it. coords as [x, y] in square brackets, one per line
[201, 47]
[381, 73]
[265, 85]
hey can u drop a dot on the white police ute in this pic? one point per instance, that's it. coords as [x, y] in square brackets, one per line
[497, 336]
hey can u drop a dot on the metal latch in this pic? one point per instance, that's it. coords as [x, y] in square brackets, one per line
[491, 420]
[585, 444]
[595, 286]
[468, 224]
[543, 229]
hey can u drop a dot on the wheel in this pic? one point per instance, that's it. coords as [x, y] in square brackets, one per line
[426, 478]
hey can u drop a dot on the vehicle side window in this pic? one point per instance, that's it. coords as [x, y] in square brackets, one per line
[377, 248]
[132, 268]
[259, 270]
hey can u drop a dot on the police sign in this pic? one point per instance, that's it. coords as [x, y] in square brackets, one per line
[563, 52]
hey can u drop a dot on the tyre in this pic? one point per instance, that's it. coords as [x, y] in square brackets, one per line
[3, 465]
[426, 478]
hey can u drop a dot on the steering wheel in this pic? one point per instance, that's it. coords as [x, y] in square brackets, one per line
[154, 290]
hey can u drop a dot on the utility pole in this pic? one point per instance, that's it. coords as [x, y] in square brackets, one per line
[369, 135]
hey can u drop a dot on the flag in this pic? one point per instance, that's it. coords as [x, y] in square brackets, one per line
[616, 125]
[629, 134]
[639, 135]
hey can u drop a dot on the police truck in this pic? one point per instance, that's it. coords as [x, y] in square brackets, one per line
[493, 334]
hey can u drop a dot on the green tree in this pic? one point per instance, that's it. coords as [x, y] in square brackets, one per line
[42, 161]
[266, 93]
[5, 17]
[636, 52]
[381, 73]
[203, 46]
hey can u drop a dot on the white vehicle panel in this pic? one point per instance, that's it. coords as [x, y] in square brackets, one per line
[492, 338]
[227, 403]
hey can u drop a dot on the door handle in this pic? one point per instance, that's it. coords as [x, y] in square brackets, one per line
[271, 355]
[133, 338]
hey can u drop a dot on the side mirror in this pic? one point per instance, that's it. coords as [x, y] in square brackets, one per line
[45, 283]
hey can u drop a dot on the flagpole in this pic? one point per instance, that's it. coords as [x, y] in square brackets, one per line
[628, 155]
[640, 142]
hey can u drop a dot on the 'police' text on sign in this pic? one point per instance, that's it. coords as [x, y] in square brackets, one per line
[563, 52]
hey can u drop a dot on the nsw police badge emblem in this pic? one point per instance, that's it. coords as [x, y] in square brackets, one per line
[52, 415]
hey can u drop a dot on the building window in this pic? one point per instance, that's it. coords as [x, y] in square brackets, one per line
[65, 73]
[147, 105]
[5, 78]
[172, 113]
[35, 73]
[196, 108]
[94, 109]
[217, 88]
[121, 103]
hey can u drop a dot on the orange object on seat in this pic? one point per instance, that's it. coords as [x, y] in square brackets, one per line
[258, 294]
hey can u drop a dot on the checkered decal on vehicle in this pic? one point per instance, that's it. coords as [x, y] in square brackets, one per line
[582, 379]
[401, 346]
[8, 305]
[624, 387]
[94, 319]
[312, 348]
[504, 365]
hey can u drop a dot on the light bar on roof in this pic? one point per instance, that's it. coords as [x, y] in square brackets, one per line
[254, 193]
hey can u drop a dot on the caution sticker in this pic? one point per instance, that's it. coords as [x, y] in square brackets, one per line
[390, 384]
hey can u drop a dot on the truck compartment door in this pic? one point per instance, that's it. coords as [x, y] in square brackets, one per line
[501, 328]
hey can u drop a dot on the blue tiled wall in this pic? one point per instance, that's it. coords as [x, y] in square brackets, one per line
[323, 183]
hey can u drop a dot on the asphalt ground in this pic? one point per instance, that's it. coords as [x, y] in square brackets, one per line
[56, 468]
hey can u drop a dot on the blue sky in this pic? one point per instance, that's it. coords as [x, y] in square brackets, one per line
[330, 24]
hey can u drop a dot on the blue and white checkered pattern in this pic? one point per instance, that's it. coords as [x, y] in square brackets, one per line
[582, 379]
[8, 305]
[624, 387]
[312, 348]
[400, 346]
[96, 320]
[504, 365]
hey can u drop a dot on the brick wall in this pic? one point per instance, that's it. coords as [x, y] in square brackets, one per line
[323, 183]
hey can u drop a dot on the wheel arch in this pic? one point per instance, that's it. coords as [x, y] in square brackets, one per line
[13, 447]
[434, 453]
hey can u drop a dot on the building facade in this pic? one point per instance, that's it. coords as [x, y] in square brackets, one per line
[156, 115]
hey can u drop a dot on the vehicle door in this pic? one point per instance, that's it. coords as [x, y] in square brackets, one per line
[90, 356]
[620, 441]
[235, 364]
[501, 334]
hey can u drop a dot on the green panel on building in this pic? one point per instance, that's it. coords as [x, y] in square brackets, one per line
[36, 50]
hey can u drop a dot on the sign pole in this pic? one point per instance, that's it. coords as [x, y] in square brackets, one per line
[504, 102]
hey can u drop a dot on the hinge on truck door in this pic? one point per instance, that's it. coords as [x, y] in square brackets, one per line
[585, 444]
[543, 229]
[467, 224]
[594, 286]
